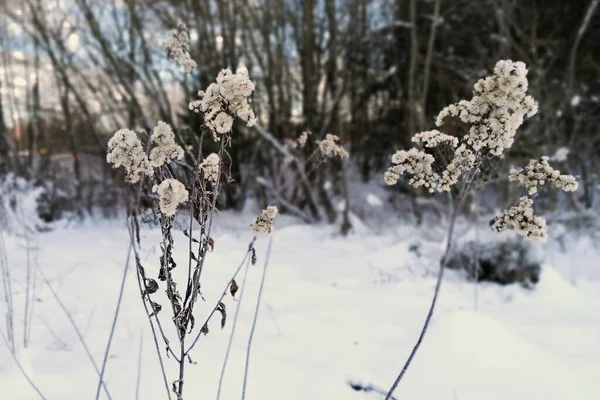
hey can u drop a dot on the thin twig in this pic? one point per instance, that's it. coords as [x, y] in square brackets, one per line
[6, 281]
[14, 356]
[114, 322]
[455, 207]
[77, 330]
[250, 249]
[260, 292]
[139, 373]
[154, 336]
[235, 319]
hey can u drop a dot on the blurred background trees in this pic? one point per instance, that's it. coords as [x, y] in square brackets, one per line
[373, 72]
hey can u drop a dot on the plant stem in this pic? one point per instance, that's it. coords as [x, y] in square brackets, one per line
[114, 322]
[260, 291]
[235, 319]
[438, 285]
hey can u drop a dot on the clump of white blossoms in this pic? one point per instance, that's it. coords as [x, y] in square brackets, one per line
[415, 162]
[494, 113]
[464, 160]
[210, 168]
[177, 47]
[330, 147]
[498, 108]
[126, 149]
[434, 138]
[171, 193]
[163, 146]
[225, 99]
[538, 172]
[521, 218]
[264, 222]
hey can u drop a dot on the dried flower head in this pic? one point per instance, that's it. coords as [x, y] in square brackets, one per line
[521, 218]
[498, 108]
[177, 47]
[171, 193]
[126, 149]
[225, 99]
[434, 138]
[264, 222]
[415, 162]
[464, 160]
[538, 172]
[330, 147]
[163, 146]
[210, 168]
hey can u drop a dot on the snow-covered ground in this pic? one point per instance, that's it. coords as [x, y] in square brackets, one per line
[333, 309]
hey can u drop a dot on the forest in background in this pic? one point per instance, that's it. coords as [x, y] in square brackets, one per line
[372, 72]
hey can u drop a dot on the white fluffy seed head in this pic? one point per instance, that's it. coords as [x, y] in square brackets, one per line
[225, 99]
[538, 172]
[163, 148]
[522, 219]
[125, 149]
[210, 168]
[498, 108]
[330, 147]
[177, 47]
[171, 194]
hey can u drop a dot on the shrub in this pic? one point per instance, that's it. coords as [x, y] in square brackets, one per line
[504, 262]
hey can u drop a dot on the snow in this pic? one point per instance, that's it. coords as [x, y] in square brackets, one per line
[333, 309]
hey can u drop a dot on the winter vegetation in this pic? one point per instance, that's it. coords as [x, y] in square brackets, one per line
[277, 199]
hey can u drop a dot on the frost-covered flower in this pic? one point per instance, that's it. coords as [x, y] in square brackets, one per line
[126, 149]
[415, 162]
[434, 138]
[163, 147]
[538, 172]
[264, 222]
[171, 193]
[223, 123]
[210, 168]
[498, 108]
[330, 147]
[177, 47]
[228, 95]
[521, 218]
[464, 159]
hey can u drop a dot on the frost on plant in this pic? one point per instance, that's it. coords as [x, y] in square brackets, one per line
[434, 138]
[415, 162]
[498, 108]
[264, 222]
[210, 168]
[225, 99]
[330, 147]
[163, 146]
[538, 172]
[126, 149]
[464, 160]
[521, 218]
[177, 47]
[171, 193]
[495, 112]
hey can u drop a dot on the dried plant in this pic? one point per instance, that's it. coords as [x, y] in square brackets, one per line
[497, 109]
[223, 101]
